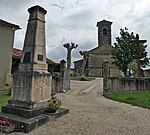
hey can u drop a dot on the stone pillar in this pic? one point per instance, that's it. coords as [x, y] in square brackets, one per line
[62, 67]
[63, 74]
[85, 55]
[67, 73]
[58, 80]
[105, 70]
[32, 83]
[34, 52]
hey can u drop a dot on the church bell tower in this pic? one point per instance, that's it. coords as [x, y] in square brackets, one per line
[104, 33]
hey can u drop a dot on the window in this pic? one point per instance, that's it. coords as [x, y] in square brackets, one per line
[104, 31]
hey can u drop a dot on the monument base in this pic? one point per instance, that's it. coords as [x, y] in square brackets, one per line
[31, 89]
[25, 120]
[58, 113]
[22, 112]
[23, 124]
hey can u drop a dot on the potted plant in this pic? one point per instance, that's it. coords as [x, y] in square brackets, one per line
[53, 104]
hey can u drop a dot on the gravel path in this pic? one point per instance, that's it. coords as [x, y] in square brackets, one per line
[92, 114]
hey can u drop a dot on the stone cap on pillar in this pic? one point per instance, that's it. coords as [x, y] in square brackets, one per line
[105, 61]
[62, 61]
[37, 7]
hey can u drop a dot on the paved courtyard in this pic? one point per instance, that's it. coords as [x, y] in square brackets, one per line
[92, 114]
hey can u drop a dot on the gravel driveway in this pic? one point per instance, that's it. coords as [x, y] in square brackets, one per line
[92, 114]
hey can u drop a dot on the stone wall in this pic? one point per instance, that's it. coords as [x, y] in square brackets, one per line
[125, 84]
[57, 83]
[146, 73]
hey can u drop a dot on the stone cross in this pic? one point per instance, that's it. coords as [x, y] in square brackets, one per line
[137, 43]
[105, 69]
[85, 55]
[67, 73]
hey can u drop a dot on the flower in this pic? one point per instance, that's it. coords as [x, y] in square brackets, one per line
[4, 123]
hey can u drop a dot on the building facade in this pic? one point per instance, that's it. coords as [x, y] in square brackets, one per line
[16, 59]
[100, 54]
[7, 32]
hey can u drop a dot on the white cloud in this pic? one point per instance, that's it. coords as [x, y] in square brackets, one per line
[75, 21]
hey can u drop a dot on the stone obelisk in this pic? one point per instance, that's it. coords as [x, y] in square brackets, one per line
[32, 82]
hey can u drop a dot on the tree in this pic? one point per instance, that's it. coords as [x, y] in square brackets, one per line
[125, 52]
[133, 67]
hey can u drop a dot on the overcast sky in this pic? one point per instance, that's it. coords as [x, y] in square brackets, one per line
[75, 21]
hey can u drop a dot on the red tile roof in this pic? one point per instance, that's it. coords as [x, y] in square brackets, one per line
[17, 53]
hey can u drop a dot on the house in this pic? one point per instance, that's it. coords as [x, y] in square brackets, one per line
[16, 58]
[78, 67]
[7, 33]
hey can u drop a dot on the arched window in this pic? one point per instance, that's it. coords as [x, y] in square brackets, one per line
[104, 31]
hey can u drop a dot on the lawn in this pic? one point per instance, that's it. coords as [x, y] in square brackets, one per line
[4, 97]
[141, 99]
[74, 78]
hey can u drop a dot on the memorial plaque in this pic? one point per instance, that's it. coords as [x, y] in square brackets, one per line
[40, 57]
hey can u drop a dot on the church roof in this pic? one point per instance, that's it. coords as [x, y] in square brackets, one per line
[103, 22]
[101, 50]
[49, 61]
[78, 61]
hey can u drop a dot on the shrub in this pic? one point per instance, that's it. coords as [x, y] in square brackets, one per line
[54, 103]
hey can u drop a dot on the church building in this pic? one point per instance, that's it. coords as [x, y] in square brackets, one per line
[100, 54]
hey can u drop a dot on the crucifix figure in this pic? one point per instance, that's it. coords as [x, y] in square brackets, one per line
[85, 55]
[67, 75]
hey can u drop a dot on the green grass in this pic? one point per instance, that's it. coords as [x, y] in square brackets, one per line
[4, 97]
[141, 99]
[77, 78]
[74, 78]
